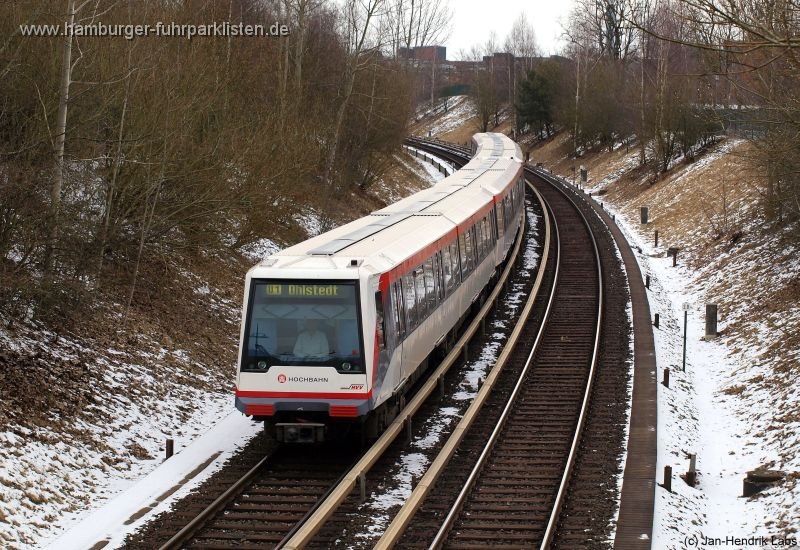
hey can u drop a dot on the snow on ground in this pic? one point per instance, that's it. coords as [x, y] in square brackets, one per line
[51, 475]
[459, 110]
[170, 481]
[736, 404]
[261, 249]
[431, 165]
[72, 494]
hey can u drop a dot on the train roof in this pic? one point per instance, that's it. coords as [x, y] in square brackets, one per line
[387, 237]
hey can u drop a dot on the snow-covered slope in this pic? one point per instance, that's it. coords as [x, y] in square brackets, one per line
[737, 405]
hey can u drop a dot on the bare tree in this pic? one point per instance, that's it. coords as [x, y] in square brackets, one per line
[413, 23]
[521, 43]
[358, 23]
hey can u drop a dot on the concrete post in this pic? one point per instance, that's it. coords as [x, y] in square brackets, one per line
[362, 486]
[643, 213]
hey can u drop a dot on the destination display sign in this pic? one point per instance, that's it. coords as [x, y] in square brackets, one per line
[302, 290]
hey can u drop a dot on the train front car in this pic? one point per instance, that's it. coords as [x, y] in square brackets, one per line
[303, 358]
[336, 329]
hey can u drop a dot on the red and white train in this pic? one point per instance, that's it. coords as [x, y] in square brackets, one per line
[337, 328]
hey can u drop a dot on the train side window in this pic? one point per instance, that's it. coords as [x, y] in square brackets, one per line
[480, 236]
[462, 247]
[456, 264]
[469, 252]
[438, 281]
[442, 282]
[447, 270]
[419, 287]
[379, 317]
[397, 310]
[474, 234]
[411, 302]
[430, 285]
[500, 219]
[485, 237]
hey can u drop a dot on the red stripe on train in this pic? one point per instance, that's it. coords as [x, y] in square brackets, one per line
[302, 395]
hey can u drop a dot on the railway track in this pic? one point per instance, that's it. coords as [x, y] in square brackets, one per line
[510, 485]
[509, 492]
[585, 505]
[280, 495]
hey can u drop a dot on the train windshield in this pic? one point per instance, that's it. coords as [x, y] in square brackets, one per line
[303, 323]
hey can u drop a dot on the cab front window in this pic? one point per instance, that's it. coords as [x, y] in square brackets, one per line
[303, 323]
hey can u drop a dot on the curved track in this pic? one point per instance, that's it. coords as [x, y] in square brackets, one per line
[285, 491]
[514, 495]
[514, 488]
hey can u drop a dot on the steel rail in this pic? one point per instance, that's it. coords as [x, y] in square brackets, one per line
[212, 509]
[303, 531]
[420, 492]
[563, 486]
[455, 510]
[401, 520]
[326, 509]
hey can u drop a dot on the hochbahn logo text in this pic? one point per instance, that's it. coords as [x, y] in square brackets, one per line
[282, 378]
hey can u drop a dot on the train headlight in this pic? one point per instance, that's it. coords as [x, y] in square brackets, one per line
[262, 365]
[346, 366]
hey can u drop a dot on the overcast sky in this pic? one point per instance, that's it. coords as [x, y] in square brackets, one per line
[473, 20]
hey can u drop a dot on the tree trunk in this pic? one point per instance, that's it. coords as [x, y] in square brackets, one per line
[115, 170]
[642, 112]
[61, 131]
[577, 104]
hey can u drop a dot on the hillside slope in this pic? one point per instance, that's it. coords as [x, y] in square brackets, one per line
[87, 407]
[737, 405]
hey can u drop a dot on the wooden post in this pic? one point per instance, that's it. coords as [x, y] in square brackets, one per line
[643, 214]
[655, 320]
[675, 258]
[711, 321]
[668, 478]
[656, 245]
[170, 448]
[665, 382]
[647, 281]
